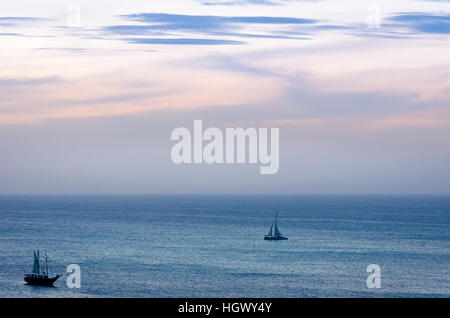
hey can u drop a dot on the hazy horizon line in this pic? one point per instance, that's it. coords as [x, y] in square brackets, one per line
[223, 194]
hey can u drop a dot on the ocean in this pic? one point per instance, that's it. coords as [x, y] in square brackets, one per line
[212, 246]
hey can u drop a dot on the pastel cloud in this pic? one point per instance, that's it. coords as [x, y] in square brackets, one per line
[424, 22]
[346, 93]
[184, 26]
[17, 21]
[248, 2]
[102, 91]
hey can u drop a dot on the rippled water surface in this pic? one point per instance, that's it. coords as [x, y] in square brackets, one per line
[212, 246]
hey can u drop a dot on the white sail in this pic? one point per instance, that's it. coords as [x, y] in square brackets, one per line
[277, 231]
[36, 263]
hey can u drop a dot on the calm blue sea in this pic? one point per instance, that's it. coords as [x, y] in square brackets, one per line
[212, 246]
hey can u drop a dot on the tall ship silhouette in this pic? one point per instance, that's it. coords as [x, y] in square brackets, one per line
[40, 273]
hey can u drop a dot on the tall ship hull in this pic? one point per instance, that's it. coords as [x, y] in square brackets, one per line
[39, 280]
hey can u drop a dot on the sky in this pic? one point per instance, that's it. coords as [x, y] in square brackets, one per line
[90, 92]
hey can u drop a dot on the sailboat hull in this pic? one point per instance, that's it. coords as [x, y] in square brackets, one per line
[275, 238]
[40, 280]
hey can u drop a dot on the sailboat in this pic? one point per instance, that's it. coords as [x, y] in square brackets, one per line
[39, 276]
[274, 233]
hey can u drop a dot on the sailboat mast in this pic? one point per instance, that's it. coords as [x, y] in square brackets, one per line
[276, 218]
